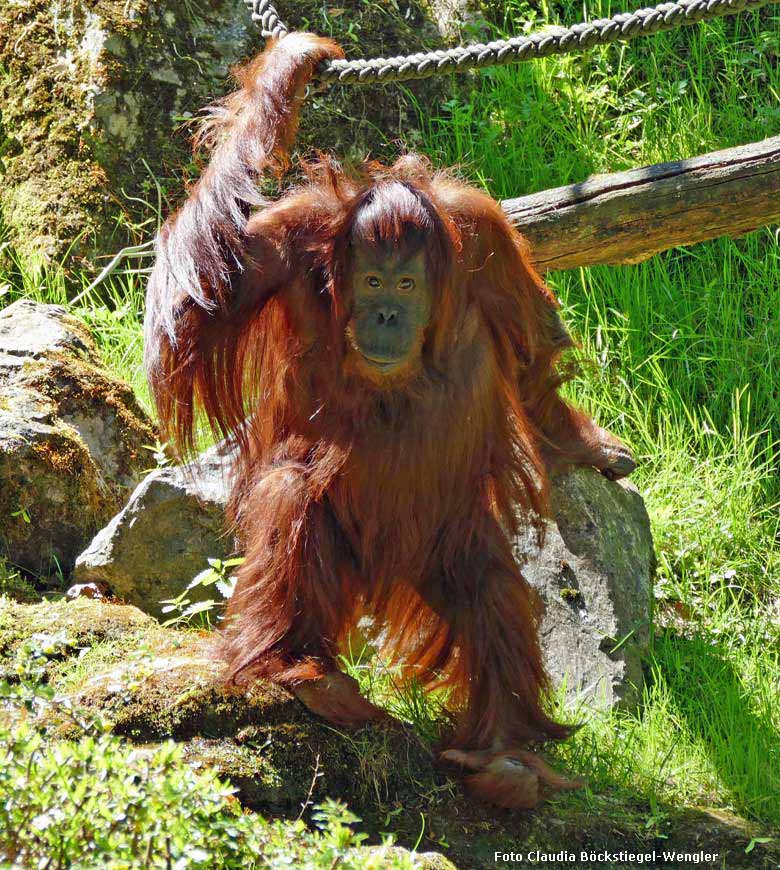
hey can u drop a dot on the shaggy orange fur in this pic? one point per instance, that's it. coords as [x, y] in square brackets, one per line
[397, 497]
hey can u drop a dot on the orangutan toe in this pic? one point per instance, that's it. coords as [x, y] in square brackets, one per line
[497, 778]
[512, 779]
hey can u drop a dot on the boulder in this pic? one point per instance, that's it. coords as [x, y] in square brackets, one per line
[593, 574]
[98, 97]
[165, 535]
[71, 438]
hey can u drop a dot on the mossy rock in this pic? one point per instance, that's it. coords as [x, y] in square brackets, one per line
[103, 410]
[88, 92]
[72, 438]
[96, 98]
[87, 623]
[51, 499]
[379, 120]
[153, 683]
[264, 738]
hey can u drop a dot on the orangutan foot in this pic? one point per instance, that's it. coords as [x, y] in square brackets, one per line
[612, 458]
[515, 779]
[336, 697]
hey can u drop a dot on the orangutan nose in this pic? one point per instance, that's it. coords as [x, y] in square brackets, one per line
[387, 316]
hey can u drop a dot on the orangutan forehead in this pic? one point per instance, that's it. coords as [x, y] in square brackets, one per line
[392, 213]
[398, 255]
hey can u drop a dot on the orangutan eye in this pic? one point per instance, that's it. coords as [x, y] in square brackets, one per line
[373, 281]
[406, 284]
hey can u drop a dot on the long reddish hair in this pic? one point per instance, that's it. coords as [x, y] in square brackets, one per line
[398, 499]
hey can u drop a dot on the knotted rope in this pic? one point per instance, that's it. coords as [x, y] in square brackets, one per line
[550, 40]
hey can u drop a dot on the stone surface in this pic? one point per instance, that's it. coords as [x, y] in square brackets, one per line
[164, 536]
[71, 438]
[594, 575]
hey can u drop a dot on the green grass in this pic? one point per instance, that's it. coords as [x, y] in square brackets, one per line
[681, 360]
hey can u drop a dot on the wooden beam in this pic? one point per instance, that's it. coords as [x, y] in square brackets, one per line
[627, 217]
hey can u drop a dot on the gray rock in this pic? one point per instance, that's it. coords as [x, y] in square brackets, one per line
[594, 576]
[71, 438]
[29, 330]
[173, 523]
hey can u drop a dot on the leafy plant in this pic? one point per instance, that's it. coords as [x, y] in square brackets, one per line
[98, 801]
[218, 574]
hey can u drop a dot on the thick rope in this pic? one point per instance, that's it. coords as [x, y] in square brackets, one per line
[551, 40]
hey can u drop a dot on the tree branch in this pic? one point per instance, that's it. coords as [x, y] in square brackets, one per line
[626, 217]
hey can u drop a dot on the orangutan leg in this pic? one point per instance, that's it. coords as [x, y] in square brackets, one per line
[294, 599]
[499, 685]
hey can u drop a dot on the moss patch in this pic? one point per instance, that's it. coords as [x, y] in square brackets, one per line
[82, 622]
[63, 453]
[51, 500]
[155, 683]
[80, 389]
[93, 107]
[15, 586]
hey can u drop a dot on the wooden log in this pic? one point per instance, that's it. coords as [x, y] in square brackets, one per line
[627, 217]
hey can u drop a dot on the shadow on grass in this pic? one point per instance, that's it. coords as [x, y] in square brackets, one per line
[727, 715]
